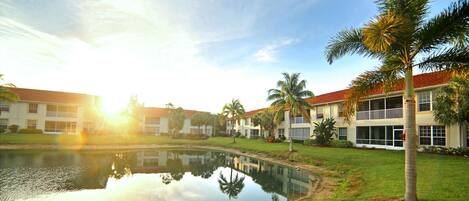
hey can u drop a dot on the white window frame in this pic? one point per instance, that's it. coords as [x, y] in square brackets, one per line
[29, 123]
[5, 126]
[338, 133]
[36, 106]
[319, 108]
[433, 135]
[429, 101]
[4, 107]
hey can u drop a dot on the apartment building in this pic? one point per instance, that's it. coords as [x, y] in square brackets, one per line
[50, 111]
[378, 121]
[155, 122]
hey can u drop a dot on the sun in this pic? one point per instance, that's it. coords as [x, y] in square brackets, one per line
[113, 105]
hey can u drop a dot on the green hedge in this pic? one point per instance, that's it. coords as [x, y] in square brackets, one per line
[30, 131]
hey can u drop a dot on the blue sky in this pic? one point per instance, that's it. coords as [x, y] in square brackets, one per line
[195, 54]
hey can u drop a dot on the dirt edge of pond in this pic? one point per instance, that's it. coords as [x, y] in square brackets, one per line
[323, 190]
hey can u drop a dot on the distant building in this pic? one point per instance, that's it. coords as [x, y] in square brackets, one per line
[51, 111]
[378, 121]
[156, 122]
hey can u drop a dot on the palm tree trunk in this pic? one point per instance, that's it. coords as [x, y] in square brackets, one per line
[410, 145]
[290, 147]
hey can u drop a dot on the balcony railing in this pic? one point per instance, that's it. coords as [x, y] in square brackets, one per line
[61, 114]
[380, 114]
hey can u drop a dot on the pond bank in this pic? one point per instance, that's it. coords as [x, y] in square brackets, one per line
[323, 189]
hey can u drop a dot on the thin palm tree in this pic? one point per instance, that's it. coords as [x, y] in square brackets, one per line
[290, 96]
[402, 39]
[6, 95]
[233, 111]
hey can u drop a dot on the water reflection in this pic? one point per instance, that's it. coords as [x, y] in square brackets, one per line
[147, 175]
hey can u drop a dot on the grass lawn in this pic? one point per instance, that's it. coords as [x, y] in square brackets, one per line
[366, 174]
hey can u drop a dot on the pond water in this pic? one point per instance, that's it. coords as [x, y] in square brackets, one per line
[163, 175]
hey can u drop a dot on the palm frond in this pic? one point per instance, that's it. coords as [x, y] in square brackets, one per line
[380, 34]
[454, 59]
[384, 78]
[349, 41]
[450, 24]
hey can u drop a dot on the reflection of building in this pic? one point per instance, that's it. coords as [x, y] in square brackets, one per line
[156, 122]
[276, 178]
[51, 111]
[378, 121]
[161, 160]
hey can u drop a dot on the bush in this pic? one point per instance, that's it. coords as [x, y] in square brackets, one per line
[237, 134]
[309, 142]
[282, 137]
[341, 143]
[13, 128]
[324, 131]
[241, 136]
[191, 136]
[30, 131]
[2, 130]
[458, 151]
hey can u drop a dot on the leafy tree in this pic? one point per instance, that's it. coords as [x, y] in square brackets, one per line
[133, 112]
[198, 119]
[176, 117]
[6, 95]
[233, 111]
[290, 96]
[268, 122]
[324, 131]
[402, 38]
[256, 120]
[452, 105]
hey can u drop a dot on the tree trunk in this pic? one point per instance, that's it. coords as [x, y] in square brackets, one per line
[410, 144]
[290, 147]
[464, 134]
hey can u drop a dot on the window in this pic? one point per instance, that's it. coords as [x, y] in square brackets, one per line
[281, 131]
[31, 124]
[254, 133]
[32, 108]
[61, 111]
[246, 122]
[60, 127]
[340, 110]
[342, 133]
[298, 120]
[4, 107]
[363, 135]
[319, 112]
[300, 133]
[424, 99]
[4, 123]
[152, 120]
[432, 135]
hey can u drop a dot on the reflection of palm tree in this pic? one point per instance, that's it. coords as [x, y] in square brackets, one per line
[275, 197]
[232, 187]
[120, 166]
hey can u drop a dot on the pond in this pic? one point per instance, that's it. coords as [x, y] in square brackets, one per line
[163, 175]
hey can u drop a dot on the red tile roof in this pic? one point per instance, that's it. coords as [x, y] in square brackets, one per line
[420, 81]
[162, 112]
[253, 112]
[46, 96]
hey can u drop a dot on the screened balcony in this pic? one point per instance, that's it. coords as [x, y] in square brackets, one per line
[385, 108]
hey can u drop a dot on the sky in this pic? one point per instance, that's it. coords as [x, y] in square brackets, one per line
[195, 54]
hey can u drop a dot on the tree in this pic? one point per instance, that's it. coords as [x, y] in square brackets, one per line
[268, 123]
[233, 111]
[397, 36]
[257, 121]
[6, 95]
[324, 131]
[451, 105]
[198, 119]
[290, 96]
[133, 112]
[176, 117]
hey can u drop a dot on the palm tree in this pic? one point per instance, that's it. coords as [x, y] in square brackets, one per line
[6, 95]
[231, 187]
[290, 96]
[233, 111]
[397, 37]
[452, 105]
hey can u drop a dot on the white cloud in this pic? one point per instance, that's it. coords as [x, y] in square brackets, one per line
[269, 52]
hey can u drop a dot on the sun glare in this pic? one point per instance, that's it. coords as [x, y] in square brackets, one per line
[113, 105]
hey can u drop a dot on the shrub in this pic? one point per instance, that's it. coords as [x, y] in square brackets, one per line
[270, 139]
[457, 151]
[309, 142]
[30, 131]
[324, 131]
[13, 128]
[241, 136]
[191, 136]
[282, 137]
[341, 143]
[237, 134]
[2, 130]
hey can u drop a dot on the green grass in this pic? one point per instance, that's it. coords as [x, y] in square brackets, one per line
[371, 174]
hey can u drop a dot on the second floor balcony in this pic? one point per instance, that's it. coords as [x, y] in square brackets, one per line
[386, 108]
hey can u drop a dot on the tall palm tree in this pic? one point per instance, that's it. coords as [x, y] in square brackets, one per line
[452, 105]
[290, 96]
[402, 39]
[233, 111]
[6, 95]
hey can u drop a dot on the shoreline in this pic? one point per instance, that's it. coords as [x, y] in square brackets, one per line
[327, 179]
